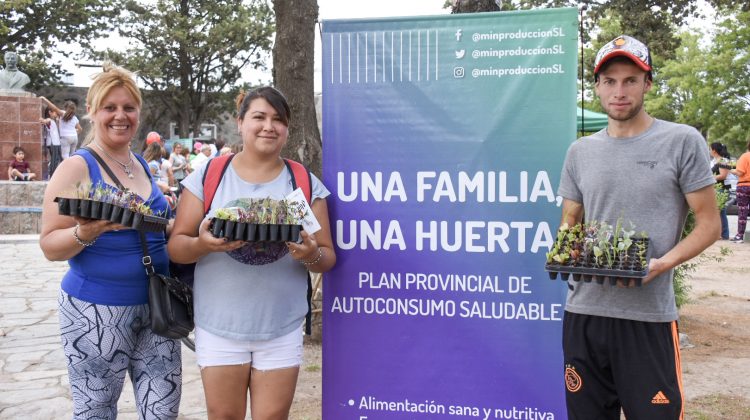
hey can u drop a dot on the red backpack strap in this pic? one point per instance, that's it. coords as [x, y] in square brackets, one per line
[215, 169]
[300, 178]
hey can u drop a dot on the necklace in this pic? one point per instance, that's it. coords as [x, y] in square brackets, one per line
[127, 167]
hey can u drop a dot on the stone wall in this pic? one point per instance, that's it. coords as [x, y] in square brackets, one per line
[21, 207]
[19, 126]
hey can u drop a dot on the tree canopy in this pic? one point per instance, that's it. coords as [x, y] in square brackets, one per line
[192, 53]
[189, 50]
[702, 84]
[37, 28]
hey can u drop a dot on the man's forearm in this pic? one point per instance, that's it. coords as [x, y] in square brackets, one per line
[702, 236]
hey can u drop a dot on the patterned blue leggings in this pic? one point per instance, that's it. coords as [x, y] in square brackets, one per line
[102, 343]
[743, 208]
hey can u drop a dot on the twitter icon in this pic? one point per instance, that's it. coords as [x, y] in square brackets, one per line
[460, 54]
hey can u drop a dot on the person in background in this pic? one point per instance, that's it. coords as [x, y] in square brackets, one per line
[197, 146]
[202, 158]
[179, 165]
[620, 344]
[19, 169]
[719, 162]
[166, 169]
[188, 168]
[219, 146]
[250, 298]
[51, 135]
[68, 125]
[153, 137]
[225, 151]
[103, 301]
[153, 155]
[743, 193]
[214, 151]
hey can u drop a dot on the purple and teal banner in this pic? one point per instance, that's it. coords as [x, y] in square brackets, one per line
[443, 140]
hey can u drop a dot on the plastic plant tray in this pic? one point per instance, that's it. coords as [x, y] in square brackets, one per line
[587, 271]
[98, 210]
[254, 232]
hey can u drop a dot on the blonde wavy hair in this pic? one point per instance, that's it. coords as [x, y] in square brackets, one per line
[111, 77]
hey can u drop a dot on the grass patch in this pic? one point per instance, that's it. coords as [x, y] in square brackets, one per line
[718, 407]
[312, 368]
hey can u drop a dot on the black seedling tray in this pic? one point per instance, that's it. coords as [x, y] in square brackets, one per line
[585, 270]
[254, 232]
[98, 210]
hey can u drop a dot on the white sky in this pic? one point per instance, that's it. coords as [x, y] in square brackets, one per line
[335, 9]
[327, 9]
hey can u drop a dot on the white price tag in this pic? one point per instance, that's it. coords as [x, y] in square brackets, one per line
[308, 221]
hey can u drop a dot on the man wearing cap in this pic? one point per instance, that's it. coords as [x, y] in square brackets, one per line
[620, 343]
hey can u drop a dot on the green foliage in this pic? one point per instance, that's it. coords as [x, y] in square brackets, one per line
[36, 28]
[644, 19]
[683, 271]
[189, 49]
[728, 70]
[598, 241]
[263, 211]
[312, 368]
[701, 85]
[722, 196]
[681, 287]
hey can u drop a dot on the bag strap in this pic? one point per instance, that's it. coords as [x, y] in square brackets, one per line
[146, 260]
[105, 167]
[217, 167]
[146, 257]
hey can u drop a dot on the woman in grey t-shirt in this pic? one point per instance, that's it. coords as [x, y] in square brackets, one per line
[250, 297]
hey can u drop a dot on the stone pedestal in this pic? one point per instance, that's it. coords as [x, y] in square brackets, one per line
[19, 126]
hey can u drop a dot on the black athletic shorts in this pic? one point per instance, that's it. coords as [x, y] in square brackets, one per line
[613, 363]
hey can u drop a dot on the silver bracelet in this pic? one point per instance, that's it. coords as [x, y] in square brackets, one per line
[316, 260]
[78, 238]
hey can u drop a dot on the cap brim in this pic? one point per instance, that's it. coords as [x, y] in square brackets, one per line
[622, 53]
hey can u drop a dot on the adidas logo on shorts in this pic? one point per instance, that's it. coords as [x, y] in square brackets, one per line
[660, 398]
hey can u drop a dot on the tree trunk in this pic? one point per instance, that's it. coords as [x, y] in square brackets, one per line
[293, 56]
[184, 122]
[185, 86]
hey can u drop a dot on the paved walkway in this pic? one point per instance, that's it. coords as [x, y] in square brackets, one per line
[33, 376]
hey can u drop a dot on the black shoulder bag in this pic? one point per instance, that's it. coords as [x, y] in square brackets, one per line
[170, 301]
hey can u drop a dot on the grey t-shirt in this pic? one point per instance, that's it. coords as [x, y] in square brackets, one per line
[642, 179]
[257, 292]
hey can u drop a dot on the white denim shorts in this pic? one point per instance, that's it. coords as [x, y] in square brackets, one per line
[278, 353]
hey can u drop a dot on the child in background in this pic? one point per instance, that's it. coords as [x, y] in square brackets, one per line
[19, 169]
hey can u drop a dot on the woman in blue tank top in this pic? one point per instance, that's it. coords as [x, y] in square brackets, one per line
[103, 303]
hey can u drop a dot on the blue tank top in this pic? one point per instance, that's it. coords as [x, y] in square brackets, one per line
[110, 272]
